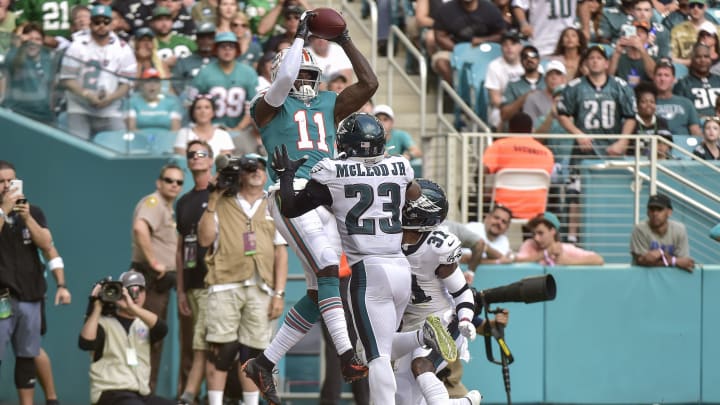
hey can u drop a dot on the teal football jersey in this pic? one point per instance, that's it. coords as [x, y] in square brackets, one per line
[598, 110]
[156, 114]
[305, 129]
[230, 91]
[701, 91]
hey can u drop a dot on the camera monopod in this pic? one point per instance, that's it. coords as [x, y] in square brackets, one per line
[528, 290]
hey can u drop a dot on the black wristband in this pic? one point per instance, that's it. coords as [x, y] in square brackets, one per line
[61, 286]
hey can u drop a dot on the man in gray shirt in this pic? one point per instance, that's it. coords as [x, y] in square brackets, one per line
[660, 242]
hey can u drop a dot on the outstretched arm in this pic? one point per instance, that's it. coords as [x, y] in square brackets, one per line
[357, 94]
[293, 204]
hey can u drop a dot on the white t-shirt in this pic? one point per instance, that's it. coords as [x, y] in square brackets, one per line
[499, 74]
[335, 61]
[219, 142]
[501, 243]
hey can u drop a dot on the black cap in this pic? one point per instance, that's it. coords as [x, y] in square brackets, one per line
[659, 201]
[512, 35]
[665, 63]
[293, 9]
[598, 48]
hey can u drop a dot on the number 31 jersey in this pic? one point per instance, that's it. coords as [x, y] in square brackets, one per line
[429, 295]
[367, 202]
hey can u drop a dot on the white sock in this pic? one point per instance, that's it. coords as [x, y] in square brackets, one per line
[337, 326]
[251, 398]
[215, 397]
[432, 389]
[404, 343]
[283, 341]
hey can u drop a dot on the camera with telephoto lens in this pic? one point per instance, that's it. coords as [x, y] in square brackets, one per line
[110, 291]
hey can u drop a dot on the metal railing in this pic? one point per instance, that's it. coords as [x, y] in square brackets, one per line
[371, 32]
[394, 66]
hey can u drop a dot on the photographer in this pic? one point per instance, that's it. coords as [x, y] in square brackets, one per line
[119, 332]
[23, 230]
[247, 271]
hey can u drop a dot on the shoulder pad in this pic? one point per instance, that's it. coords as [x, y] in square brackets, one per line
[620, 81]
[449, 251]
[324, 164]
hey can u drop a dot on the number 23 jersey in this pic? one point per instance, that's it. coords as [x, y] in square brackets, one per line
[367, 202]
[429, 295]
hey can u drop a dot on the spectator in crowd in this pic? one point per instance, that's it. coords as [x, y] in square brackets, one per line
[664, 150]
[519, 152]
[95, 72]
[613, 21]
[23, 232]
[171, 45]
[647, 122]
[119, 25]
[540, 104]
[660, 241]
[545, 246]
[180, 20]
[263, 70]
[569, 50]
[684, 35]
[7, 26]
[291, 19]
[154, 243]
[337, 83]
[247, 273]
[423, 22]
[232, 84]
[544, 24]
[678, 111]
[709, 148]
[592, 33]
[268, 18]
[658, 44]
[149, 108]
[332, 384]
[187, 68]
[482, 23]
[682, 14]
[202, 112]
[120, 344]
[710, 39]
[397, 142]
[190, 283]
[505, 9]
[55, 21]
[631, 60]
[330, 57]
[204, 11]
[250, 50]
[226, 12]
[79, 19]
[146, 53]
[500, 72]
[29, 76]
[518, 89]
[700, 86]
[594, 104]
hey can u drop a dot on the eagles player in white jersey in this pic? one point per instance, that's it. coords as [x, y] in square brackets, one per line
[438, 288]
[366, 192]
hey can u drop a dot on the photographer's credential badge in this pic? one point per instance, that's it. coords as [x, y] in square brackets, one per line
[131, 356]
[249, 243]
[190, 250]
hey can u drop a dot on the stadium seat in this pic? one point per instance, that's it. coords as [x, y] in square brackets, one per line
[161, 140]
[471, 63]
[123, 142]
[687, 142]
[520, 180]
[680, 71]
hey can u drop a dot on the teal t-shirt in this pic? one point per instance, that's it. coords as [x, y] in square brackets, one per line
[230, 90]
[157, 114]
[29, 83]
[679, 113]
[399, 142]
[304, 128]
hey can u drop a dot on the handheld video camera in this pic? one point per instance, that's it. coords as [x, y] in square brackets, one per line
[110, 291]
[229, 168]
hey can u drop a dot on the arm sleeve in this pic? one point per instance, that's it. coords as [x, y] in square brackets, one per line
[287, 73]
[312, 196]
[462, 294]
[96, 345]
[158, 331]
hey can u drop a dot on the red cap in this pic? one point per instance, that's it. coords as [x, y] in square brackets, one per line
[150, 73]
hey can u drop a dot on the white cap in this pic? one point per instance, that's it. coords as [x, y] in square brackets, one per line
[555, 65]
[708, 27]
[384, 109]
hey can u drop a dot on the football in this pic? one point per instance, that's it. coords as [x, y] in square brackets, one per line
[327, 23]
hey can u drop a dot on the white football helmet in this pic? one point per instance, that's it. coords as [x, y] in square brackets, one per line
[303, 89]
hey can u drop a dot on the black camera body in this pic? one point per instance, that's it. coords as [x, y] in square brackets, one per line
[110, 291]
[229, 168]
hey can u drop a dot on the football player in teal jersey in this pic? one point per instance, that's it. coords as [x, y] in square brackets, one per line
[294, 113]
[700, 85]
[231, 83]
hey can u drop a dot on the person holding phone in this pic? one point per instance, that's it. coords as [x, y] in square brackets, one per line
[23, 230]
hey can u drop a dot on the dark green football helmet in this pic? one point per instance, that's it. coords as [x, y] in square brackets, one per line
[360, 135]
[428, 211]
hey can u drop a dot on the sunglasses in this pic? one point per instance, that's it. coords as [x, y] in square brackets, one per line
[696, 5]
[101, 21]
[197, 154]
[168, 180]
[235, 25]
